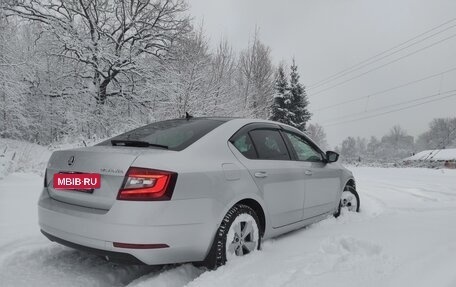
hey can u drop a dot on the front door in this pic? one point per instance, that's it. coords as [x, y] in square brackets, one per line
[264, 153]
[322, 181]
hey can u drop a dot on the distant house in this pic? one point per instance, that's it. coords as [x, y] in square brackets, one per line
[444, 157]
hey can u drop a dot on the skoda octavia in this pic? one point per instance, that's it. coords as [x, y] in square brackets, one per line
[200, 190]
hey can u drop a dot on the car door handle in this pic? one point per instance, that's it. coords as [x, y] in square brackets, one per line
[308, 172]
[261, 174]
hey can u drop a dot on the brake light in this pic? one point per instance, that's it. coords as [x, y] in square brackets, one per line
[147, 184]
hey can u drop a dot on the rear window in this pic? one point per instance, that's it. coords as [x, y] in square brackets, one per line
[176, 134]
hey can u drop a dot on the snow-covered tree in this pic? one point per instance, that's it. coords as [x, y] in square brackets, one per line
[361, 147]
[256, 79]
[221, 89]
[13, 91]
[183, 77]
[54, 69]
[300, 114]
[193, 79]
[441, 134]
[373, 150]
[281, 100]
[397, 144]
[317, 134]
[109, 38]
[348, 149]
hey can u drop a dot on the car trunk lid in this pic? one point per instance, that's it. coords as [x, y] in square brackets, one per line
[111, 163]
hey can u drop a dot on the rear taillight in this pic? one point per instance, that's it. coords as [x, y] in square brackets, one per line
[147, 184]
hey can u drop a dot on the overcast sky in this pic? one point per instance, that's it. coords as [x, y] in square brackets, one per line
[328, 36]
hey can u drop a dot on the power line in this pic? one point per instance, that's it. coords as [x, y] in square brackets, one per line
[389, 112]
[393, 105]
[330, 78]
[381, 58]
[386, 90]
[386, 64]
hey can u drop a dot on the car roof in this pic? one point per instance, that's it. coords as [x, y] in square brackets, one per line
[241, 121]
[224, 119]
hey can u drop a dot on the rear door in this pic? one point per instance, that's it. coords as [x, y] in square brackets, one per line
[322, 181]
[263, 152]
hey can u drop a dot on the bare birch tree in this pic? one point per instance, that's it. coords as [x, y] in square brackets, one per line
[257, 78]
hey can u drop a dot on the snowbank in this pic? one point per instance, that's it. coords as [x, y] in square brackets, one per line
[20, 156]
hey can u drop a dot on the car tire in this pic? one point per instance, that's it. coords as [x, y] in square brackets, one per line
[238, 234]
[350, 199]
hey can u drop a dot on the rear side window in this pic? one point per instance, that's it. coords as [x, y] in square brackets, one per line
[175, 134]
[269, 145]
[244, 145]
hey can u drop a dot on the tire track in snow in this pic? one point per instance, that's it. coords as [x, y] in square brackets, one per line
[411, 192]
[335, 259]
[423, 193]
[385, 205]
[29, 262]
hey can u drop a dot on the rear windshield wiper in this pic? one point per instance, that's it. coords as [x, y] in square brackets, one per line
[136, 144]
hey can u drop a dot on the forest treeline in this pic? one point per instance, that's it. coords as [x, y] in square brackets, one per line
[91, 69]
[397, 144]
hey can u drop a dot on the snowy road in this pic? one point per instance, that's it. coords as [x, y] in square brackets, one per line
[405, 235]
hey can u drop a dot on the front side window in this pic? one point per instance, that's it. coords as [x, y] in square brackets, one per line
[303, 150]
[269, 145]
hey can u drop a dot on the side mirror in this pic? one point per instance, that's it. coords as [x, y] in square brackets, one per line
[331, 156]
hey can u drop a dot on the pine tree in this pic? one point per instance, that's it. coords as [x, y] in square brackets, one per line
[281, 101]
[299, 113]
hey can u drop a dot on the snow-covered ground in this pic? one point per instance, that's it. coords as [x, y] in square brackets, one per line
[22, 156]
[405, 235]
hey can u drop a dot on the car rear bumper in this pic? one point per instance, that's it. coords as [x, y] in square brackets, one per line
[185, 226]
[109, 255]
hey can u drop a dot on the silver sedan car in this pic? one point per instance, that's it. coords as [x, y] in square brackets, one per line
[200, 190]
